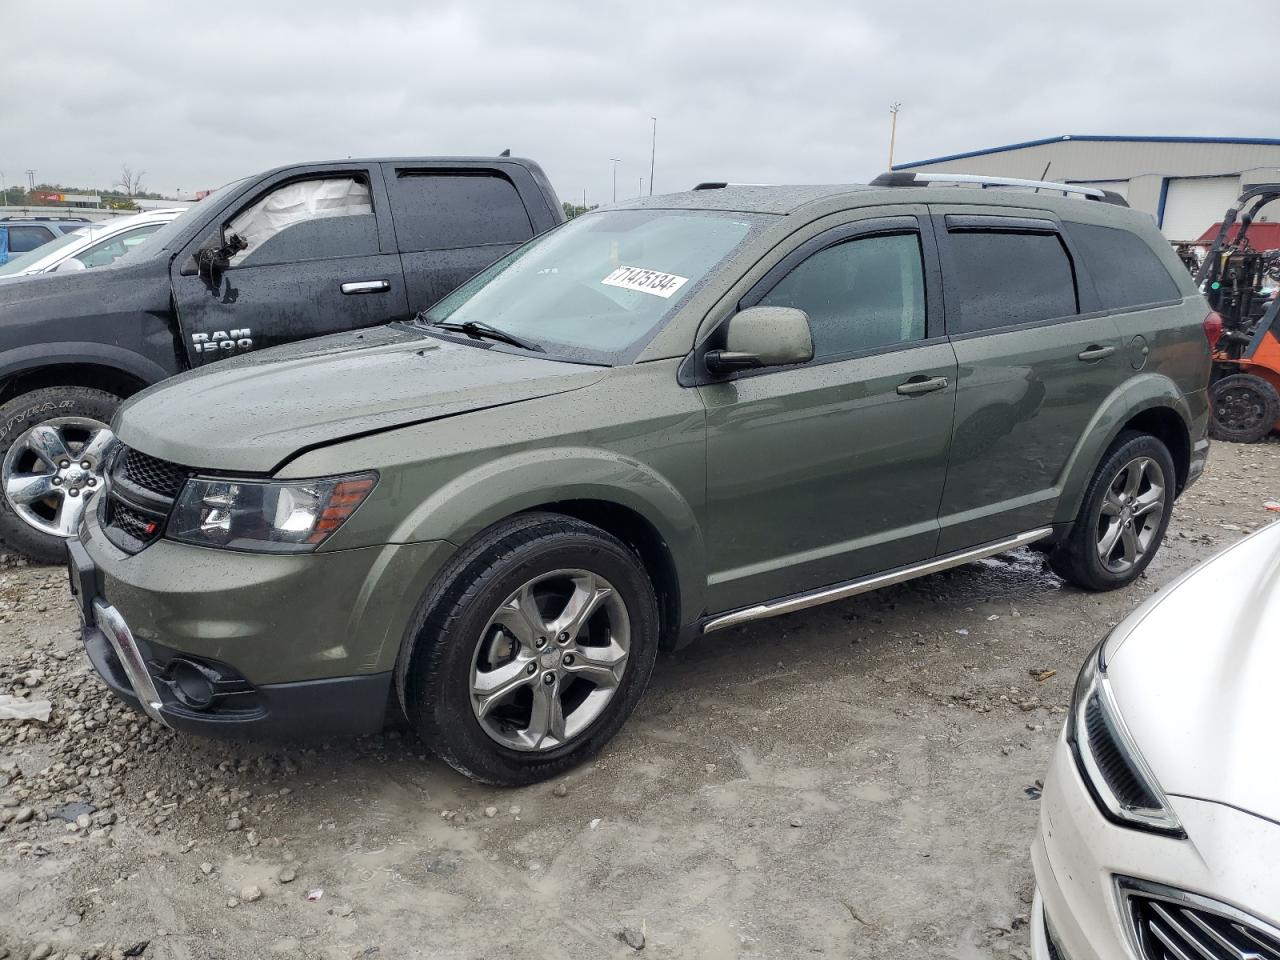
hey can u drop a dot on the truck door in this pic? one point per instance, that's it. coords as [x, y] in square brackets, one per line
[451, 223]
[318, 256]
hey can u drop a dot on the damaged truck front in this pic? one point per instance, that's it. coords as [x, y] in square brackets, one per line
[297, 252]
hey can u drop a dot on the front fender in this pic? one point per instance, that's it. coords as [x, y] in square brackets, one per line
[492, 491]
[1141, 393]
[33, 356]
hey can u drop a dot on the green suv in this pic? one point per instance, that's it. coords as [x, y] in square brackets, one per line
[656, 421]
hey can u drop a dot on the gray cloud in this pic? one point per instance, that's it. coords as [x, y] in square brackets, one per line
[197, 94]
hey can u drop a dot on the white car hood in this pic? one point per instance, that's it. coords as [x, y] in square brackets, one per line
[1196, 675]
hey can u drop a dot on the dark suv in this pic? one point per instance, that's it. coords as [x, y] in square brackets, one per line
[659, 420]
[21, 234]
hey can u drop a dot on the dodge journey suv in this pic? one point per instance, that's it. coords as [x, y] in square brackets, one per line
[656, 421]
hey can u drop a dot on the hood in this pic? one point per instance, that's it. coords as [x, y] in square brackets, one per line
[254, 412]
[1195, 670]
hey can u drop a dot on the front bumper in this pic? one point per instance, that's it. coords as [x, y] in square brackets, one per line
[236, 644]
[1228, 856]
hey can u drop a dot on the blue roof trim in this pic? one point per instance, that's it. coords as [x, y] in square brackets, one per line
[1248, 141]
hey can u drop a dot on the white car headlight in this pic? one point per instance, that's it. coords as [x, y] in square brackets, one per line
[293, 516]
[1109, 760]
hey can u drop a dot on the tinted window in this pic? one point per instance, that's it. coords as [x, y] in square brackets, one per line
[1001, 279]
[436, 211]
[22, 239]
[859, 295]
[306, 220]
[1125, 271]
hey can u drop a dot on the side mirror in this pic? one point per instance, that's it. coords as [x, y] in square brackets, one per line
[69, 265]
[763, 337]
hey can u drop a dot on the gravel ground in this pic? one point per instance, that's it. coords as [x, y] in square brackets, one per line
[855, 781]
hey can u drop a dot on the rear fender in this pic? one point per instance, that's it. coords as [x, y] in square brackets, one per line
[1137, 395]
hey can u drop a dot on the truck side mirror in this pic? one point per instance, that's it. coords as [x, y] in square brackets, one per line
[763, 337]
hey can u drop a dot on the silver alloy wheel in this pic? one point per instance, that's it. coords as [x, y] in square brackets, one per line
[53, 470]
[549, 660]
[1132, 509]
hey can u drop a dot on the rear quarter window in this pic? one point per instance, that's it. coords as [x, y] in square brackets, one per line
[1126, 272]
[440, 210]
[1001, 279]
[27, 237]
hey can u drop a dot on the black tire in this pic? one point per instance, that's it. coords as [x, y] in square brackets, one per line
[17, 417]
[1245, 408]
[1077, 558]
[433, 674]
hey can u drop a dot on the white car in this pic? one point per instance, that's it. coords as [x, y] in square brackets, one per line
[1160, 820]
[94, 245]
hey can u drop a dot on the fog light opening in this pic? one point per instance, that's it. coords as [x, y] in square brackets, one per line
[191, 684]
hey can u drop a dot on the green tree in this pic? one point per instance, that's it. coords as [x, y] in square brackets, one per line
[572, 210]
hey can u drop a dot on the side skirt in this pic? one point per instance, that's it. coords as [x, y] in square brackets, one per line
[852, 588]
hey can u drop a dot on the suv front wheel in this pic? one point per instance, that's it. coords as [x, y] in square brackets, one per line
[531, 650]
[1123, 518]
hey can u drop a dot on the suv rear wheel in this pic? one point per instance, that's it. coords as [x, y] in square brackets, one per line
[1123, 518]
[531, 650]
[52, 441]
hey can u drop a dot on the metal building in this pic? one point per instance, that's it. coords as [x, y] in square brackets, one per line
[1184, 182]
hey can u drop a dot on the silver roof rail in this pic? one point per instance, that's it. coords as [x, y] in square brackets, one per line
[911, 178]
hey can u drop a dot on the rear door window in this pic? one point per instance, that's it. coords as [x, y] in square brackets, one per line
[1125, 271]
[28, 237]
[445, 209]
[1002, 279]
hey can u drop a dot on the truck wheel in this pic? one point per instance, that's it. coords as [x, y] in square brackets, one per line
[1245, 408]
[52, 441]
[1123, 518]
[531, 649]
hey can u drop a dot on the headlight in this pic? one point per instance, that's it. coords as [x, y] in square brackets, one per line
[1108, 759]
[292, 516]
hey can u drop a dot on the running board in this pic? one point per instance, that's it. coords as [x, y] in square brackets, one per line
[866, 584]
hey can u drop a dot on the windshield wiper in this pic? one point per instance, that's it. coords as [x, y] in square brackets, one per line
[479, 330]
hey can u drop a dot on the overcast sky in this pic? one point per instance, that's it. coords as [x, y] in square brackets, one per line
[796, 91]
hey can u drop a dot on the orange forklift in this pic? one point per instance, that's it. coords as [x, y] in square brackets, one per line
[1243, 288]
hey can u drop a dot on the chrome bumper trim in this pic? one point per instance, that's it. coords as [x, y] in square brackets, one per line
[118, 634]
[866, 584]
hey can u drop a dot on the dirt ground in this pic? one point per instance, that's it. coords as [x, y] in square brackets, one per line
[855, 781]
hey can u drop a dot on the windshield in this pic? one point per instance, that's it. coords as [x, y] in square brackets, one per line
[599, 287]
[27, 260]
[174, 228]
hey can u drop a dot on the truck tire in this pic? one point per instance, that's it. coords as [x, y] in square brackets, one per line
[1123, 518]
[51, 445]
[1245, 408]
[530, 650]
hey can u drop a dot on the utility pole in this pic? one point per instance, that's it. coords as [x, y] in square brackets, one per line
[615, 161]
[31, 179]
[893, 129]
[653, 152]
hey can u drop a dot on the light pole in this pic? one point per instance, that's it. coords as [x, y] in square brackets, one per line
[641, 193]
[615, 161]
[653, 151]
[893, 129]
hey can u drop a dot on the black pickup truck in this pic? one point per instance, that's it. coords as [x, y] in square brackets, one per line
[296, 252]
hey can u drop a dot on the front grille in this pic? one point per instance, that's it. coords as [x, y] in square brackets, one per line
[1115, 769]
[136, 524]
[150, 473]
[1170, 924]
[139, 498]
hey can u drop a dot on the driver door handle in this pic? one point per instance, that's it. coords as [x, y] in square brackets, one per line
[916, 386]
[1095, 352]
[366, 286]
